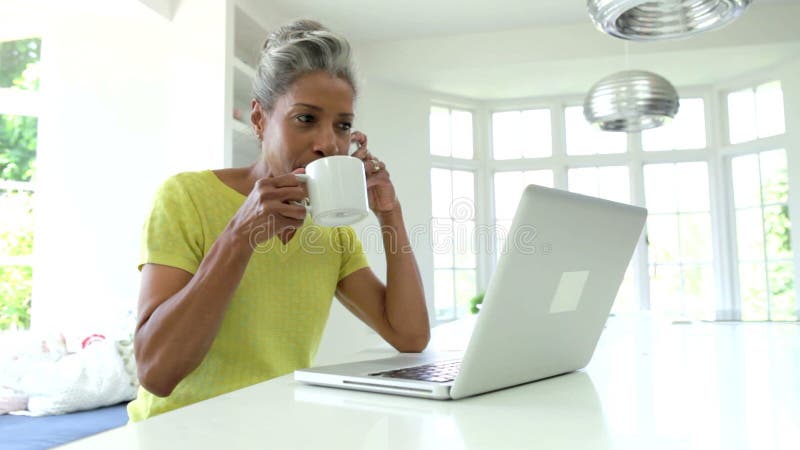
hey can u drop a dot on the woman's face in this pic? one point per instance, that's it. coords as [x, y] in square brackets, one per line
[310, 121]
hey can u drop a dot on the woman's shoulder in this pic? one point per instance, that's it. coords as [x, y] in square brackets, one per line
[193, 181]
[189, 178]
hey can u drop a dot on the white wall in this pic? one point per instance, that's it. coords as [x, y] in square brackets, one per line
[102, 133]
[129, 98]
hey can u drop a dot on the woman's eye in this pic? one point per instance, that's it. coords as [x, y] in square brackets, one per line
[305, 118]
[345, 126]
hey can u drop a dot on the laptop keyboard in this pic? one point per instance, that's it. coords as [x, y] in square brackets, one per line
[438, 372]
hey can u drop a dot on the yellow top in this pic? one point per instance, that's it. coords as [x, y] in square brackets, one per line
[275, 320]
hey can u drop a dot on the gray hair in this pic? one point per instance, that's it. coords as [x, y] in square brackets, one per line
[294, 50]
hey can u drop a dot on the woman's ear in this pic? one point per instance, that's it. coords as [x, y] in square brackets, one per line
[257, 119]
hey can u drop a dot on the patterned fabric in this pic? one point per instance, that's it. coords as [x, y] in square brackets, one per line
[275, 320]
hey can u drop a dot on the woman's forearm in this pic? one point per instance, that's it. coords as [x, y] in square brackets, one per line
[177, 335]
[406, 310]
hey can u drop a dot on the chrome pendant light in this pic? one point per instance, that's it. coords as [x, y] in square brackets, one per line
[643, 20]
[631, 100]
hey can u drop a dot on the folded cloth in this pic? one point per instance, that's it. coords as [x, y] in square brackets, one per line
[93, 377]
[11, 400]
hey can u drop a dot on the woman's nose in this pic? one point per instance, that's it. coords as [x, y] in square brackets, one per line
[325, 144]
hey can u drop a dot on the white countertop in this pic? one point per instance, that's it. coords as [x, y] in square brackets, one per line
[650, 385]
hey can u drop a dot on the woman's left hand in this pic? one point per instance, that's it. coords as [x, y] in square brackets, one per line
[380, 190]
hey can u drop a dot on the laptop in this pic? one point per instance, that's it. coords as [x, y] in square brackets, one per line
[563, 261]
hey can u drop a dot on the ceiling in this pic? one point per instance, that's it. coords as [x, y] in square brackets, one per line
[388, 20]
[510, 49]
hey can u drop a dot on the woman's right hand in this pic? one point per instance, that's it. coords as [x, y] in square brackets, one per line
[269, 209]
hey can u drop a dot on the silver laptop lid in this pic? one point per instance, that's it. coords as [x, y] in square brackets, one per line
[564, 259]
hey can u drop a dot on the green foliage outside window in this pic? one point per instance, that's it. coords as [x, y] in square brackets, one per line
[17, 147]
[15, 292]
[777, 225]
[18, 141]
[17, 57]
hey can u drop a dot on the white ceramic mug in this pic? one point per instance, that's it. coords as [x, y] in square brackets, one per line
[337, 190]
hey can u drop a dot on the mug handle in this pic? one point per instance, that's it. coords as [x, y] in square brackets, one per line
[306, 203]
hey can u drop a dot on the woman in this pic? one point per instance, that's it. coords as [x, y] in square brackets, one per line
[224, 304]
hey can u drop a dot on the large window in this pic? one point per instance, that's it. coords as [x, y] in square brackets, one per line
[709, 197]
[18, 139]
[453, 213]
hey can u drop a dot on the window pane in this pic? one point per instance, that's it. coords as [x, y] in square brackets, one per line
[463, 207]
[16, 284]
[662, 235]
[521, 134]
[750, 237]
[18, 64]
[746, 183]
[440, 131]
[693, 186]
[465, 290]
[442, 194]
[777, 228]
[769, 109]
[444, 295]
[686, 131]
[583, 181]
[610, 182]
[614, 184]
[695, 235]
[507, 135]
[538, 132]
[16, 226]
[442, 241]
[584, 139]
[665, 289]
[753, 289]
[540, 177]
[698, 291]
[659, 191]
[462, 134]
[741, 116]
[464, 249]
[508, 188]
[783, 304]
[774, 178]
[18, 141]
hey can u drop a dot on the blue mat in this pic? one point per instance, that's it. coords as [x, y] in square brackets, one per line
[29, 433]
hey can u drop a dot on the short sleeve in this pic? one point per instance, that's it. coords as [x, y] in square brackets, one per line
[353, 257]
[172, 234]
